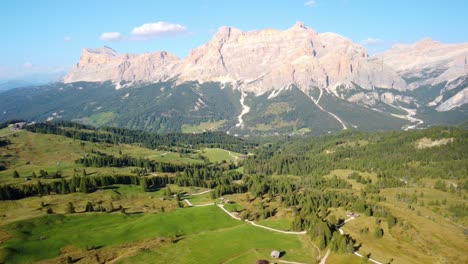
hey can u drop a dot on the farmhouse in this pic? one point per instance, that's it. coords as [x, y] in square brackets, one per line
[275, 254]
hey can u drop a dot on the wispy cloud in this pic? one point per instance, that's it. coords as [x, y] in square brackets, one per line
[158, 29]
[28, 65]
[67, 39]
[372, 42]
[111, 36]
[310, 3]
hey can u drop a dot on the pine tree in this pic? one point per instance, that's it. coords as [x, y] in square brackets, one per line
[144, 184]
[16, 174]
[83, 186]
[70, 208]
[89, 207]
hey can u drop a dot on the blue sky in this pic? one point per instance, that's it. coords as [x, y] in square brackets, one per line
[46, 37]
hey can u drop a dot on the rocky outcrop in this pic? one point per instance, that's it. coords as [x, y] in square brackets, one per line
[104, 64]
[427, 62]
[455, 101]
[270, 59]
[259, 61]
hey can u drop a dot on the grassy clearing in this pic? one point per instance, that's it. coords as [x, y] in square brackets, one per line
[101, 118]
[200, 199]
[5, 131]
[240, 244]
[343, 174]
[219, 155]
[42, 238]
[203, 127]
[277, 223]
[130, 197]
[172, 157]
[420, 236]
[233, 207]
[32, 152]
[344, 259]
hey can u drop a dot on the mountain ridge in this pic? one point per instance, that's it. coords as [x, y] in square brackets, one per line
[264, 82]
[263, 60]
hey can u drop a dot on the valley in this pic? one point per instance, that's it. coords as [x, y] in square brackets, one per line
[234, 132]
[290, 195]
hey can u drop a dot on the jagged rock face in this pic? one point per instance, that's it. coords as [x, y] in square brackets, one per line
[104, 64]
[427, 62]
[259, 61]
[271, 59]
[455, 101]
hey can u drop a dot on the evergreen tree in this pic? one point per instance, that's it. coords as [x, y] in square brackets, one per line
[144, 184]
[70, 208]
[89, 207]
[83, 185]
[16, 174]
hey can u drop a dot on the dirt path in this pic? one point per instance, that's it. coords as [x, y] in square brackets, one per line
[257, 225]
[230, 154]
[11, 133]
[324, 259]
[188, 202]
[200, 193]
[290, 262]
[355, 252]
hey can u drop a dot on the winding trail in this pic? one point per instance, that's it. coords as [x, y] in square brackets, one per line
[11, 133]
[269, 228]
[316, 102]
[197, 205]
[261, 226]
[254, 224]
[200, 193]
[290, 262]
[230, 154]
[324, 259]
[355, 252]
[188, 202]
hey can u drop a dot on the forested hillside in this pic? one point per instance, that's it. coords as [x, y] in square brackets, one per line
[389, 196]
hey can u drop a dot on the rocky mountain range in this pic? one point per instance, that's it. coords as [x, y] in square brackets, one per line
[270, 81]
[262, 61]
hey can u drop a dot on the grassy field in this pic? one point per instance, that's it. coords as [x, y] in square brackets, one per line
[343, 174]
[277, 223]
[218, 155]
[130, 197]
[5, 131]
[172, 157]
[42, 238]
[32, 152]
[207, 235]
[200, 199]
[240, 244]
[420, 236]
[204, 126]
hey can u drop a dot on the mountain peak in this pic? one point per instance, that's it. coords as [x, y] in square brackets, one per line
[262, 60]
[97, 56]
[426, 43]
[299, 25]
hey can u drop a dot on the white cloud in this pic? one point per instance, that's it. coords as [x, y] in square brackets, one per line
[310, 3]
[28, 65]
[111, 36]
[67, 39]
[372, 42]
[158, 29]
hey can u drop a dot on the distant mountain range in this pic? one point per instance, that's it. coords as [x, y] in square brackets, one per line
[7, 85]
[259, 82]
